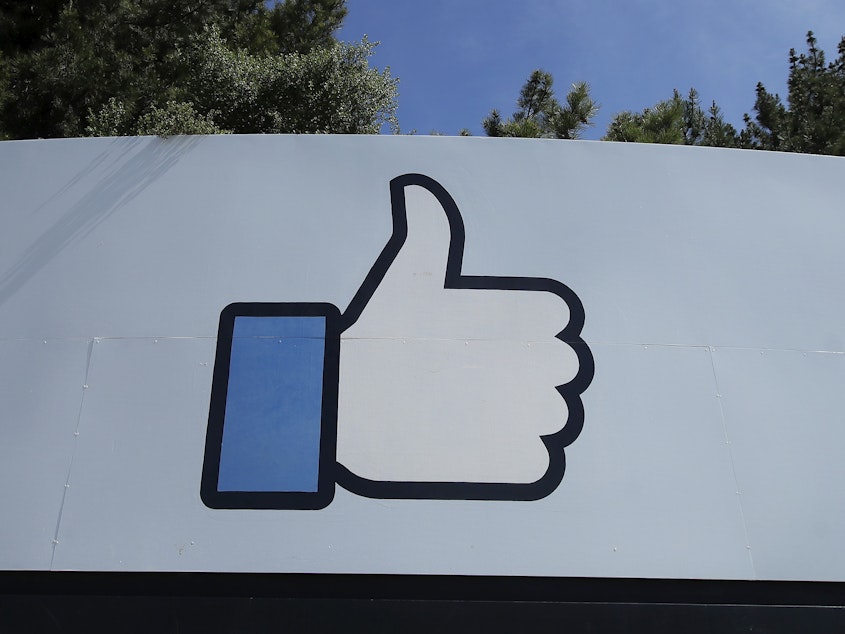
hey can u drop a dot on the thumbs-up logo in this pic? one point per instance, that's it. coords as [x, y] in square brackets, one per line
[431, 385]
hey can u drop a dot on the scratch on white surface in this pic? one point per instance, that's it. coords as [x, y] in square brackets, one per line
[748, 548]
[83, 389]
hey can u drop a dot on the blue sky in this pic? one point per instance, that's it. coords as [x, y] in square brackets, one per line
[458, 59]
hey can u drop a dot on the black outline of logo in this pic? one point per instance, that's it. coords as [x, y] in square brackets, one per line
[332, 471]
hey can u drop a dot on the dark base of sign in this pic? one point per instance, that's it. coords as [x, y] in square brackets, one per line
[207, 603]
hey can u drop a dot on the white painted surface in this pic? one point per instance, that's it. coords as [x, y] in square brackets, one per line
[711, 282]
[41, 391]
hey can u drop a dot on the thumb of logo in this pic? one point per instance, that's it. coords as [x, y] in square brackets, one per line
[431, 385]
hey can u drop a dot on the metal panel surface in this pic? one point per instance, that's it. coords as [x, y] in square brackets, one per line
[784, 414]
[688, 264]
[140, 438]
[41, 391]
[663, 507]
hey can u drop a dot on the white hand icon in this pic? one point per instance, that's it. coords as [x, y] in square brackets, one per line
[441, 385]
[447, 384]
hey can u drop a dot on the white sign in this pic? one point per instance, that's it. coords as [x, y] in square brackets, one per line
[421, 355]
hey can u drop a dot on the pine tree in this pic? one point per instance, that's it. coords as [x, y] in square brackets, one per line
[675, 121]
[540, 115]
[813, 119]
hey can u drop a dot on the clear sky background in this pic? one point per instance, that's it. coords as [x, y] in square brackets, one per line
[458, 59]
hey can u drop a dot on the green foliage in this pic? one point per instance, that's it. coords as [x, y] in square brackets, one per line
[292, 26]
[4, 91]
[661, 123]
[68, 58]
[716, 132]
[540, 115]
[676, 121]
[302, 25]
[813, 120]
[185, 66]
[331, 89]
[176, 117]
